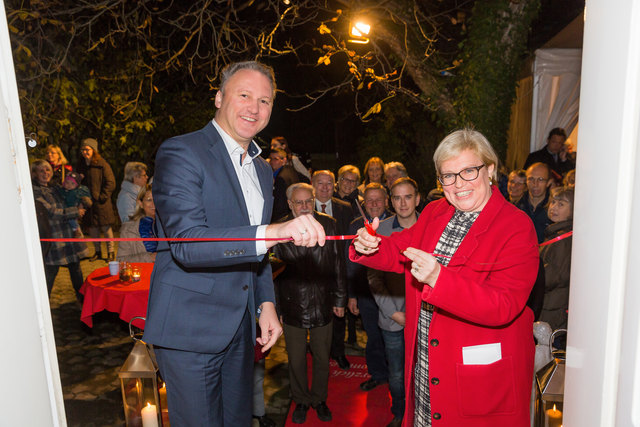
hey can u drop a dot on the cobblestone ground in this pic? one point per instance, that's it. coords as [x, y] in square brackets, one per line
[89, 360]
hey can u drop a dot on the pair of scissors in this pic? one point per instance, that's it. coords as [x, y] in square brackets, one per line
[367, 224]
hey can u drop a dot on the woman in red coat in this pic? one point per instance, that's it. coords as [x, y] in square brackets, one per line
[470, 349]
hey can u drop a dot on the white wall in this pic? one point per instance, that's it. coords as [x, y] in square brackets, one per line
[603, 359]
[30, 391]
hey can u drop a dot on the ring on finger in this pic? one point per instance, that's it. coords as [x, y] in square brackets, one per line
[303, 232]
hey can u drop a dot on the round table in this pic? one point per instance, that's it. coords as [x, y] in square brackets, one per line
[105, 292]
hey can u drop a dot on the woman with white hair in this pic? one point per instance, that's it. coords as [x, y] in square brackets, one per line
[135, 178]
[469, 263]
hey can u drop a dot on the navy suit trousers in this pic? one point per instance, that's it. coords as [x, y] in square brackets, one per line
[210, 389]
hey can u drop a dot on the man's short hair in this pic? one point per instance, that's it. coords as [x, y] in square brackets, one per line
[323, 172]
[349, 169]
[375, 186]
[300, 186]
[397, 165]
[540, 164]
[557, 131]
[404, 180]
[229, 70]
[133, 169]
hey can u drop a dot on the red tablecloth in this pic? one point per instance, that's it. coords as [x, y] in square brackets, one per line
[105, 292]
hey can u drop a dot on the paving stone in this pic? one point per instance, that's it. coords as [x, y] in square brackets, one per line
[90, 358]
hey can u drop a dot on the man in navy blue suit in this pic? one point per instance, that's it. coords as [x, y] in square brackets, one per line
[204, 296]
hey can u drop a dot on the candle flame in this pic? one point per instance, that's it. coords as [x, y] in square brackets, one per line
[554, 407]
[148, 404]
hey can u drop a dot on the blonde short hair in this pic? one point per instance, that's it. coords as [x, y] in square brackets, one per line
[466, 139]
[349, 169]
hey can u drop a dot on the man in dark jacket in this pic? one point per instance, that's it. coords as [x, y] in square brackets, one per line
[361, 300]
[323, 182]
[534, 201]
[554, 154]
[309, 292]
[283, 176]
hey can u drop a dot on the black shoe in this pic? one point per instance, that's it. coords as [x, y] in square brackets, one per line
[342, 362]
[324, 414]
[112, 256]
[300, 413]
[265, 421]
[370, 384]
[395, 422]
[96, 257]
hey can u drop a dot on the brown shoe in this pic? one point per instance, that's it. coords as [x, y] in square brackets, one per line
[112, 256]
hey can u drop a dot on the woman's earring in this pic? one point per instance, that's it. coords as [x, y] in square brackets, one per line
[490, 181]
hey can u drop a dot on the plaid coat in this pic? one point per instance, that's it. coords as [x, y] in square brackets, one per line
[59, 253]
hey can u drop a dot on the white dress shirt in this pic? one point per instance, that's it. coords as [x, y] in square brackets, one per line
[328, 209]
[248, 178]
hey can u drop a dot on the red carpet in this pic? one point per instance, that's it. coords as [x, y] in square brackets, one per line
[349, 405]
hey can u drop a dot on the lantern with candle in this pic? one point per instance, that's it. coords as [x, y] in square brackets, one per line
[139, 383]
[550, 388]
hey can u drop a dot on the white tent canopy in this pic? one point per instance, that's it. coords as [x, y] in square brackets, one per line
[556, 93]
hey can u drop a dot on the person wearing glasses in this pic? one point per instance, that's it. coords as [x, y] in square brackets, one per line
[470, 262]
[99, 178]
[347, 186]
[323, 182]
[309, 292]
[516, 185]
[534, 201]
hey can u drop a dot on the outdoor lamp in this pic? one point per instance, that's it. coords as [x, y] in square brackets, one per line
[141, 393]
[358, 32]
[550, 388]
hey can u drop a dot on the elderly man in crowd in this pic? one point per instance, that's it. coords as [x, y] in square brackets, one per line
[323, 183]
[534, 201]
[310, 291]
[360, 299]
[388, 291]
[393, 171]
[135, 178]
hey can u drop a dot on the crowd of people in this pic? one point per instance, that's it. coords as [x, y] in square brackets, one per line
[440, 281]
[72, 199]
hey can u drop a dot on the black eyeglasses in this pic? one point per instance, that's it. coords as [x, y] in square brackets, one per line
[468, 174]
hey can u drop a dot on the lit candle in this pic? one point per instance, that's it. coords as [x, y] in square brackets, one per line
[554, 417]
[163, 396]
[149, 416]
[135, 274]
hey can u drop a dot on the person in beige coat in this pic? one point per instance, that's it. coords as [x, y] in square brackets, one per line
[141, 225]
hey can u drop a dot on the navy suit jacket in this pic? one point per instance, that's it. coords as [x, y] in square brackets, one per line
[200, 290]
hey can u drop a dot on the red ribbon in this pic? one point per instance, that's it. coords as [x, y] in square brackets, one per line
[185, 239]
[557, 239]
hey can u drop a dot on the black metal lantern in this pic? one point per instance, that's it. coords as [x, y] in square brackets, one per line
[550, 388]
[139, 382]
